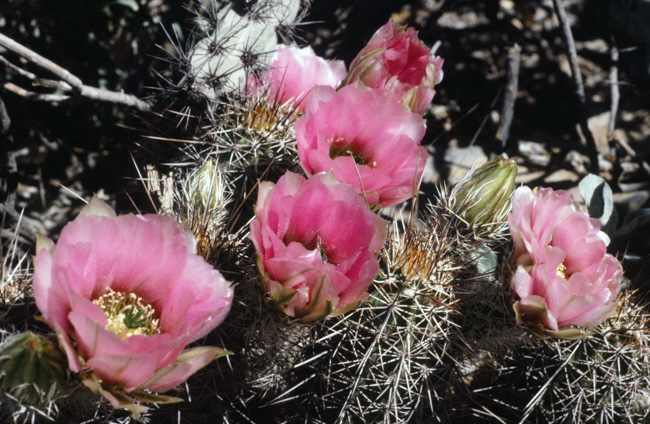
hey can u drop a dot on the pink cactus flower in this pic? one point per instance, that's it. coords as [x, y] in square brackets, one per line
[366, 138]
[125, 295]
[316, 243]
[396, 59]
[564, 275]
[293, 73]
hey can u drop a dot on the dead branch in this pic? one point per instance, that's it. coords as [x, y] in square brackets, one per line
[95, 93]
[44, 63]
[32, 95]
[613, 88]
[5, 120]
[508, 109]
[45, 82]
[68, 82]
[577, 80]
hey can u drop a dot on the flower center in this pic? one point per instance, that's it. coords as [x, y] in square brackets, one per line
[560, 271]
[128, 314]
[318, 245]
[338, 147]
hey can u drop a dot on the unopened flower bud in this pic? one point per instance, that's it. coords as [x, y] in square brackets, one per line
[397, 60]
[482, 198]
[205, 187]
[32, 367]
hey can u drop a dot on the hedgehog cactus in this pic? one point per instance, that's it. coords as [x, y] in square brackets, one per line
[253, 136]
[403, 332]
[383, 361]
[238, 45]
[599, 378]
[386, 360]
[247, 140]
[482, 197]
[202, 200]
[32, 368]
[434, 337]
[390, 359]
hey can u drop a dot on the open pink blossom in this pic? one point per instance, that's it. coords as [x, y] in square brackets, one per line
[316, 243]
[294, 72]
[366, 139]
[396, 59]
[125, 295]
[564, 275]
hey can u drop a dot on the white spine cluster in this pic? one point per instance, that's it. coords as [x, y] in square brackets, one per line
[221, 61]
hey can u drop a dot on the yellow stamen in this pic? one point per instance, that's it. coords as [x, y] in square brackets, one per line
[261, 118]
[266, 118]
[560, 271]
[128, 314]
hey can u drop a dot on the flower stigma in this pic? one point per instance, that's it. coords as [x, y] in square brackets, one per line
[128, 314]
[323, 253]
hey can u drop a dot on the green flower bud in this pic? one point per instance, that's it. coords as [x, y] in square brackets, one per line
[482, 198]
[206, 187]
[32, 367]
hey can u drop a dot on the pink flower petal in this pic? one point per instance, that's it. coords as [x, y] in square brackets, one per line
[396, 59]
[366, 139]
[293, 73]
[316, 243]
[563, 261]
[49, 298]
[150, 256]
[534, 309]
[98, 208]
[127, 371]
[188, 362]
[573, 236]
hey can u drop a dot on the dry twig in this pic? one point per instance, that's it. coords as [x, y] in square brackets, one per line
[45, 97]
[507, 112]
[577, 80]
[68, 83]
[613, 90]
[5, 120]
